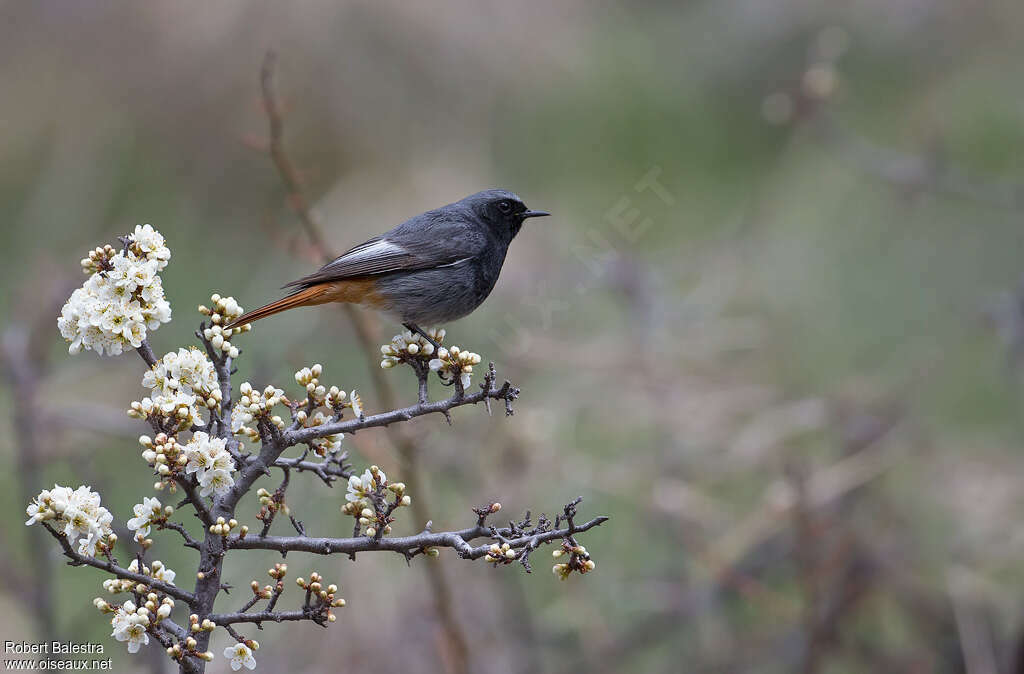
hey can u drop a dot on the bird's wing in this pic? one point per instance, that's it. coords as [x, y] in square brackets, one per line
[408, 247]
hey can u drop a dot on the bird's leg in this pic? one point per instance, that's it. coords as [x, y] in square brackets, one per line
[412, 327]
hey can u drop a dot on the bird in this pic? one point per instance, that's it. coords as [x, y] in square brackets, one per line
[433, 268]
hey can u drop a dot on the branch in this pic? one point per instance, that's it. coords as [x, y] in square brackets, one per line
[408, 545]
[285, 167]
[146, 351]
[175, 629]
[78, 559]
[175, 526]
[507, 392]
[187, 484]
[261, 616]
[327, 470]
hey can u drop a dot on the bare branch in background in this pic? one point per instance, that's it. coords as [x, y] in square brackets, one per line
[23, 374]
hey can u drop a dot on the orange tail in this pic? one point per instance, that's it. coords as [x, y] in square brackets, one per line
[317, 294]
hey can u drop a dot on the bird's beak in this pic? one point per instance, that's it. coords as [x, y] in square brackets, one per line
[534, 214]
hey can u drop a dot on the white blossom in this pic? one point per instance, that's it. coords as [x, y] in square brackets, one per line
[224, 311]
[239, 655]
[455, 362]
[157, 570]
[145, 513]
[361, 486]
[122, 298]
[149, 243]
[213, 466]
[409, 345]
[130, 626]
[77, 514]
[331, 444]
[186, 371]
[240, 416]
[216, 482]
[161, 572]
[180, 383]
[324, 404]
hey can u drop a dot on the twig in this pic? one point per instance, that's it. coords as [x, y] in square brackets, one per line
[507, 393]
[187, 484]
[19, 368]
[78, 559]
[146, 351]
[175, 526]
[262, 616]
[327, 470]
[406, 545]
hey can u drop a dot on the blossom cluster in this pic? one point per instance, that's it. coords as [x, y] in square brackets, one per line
[123, 297]
[270, 504]
[500, 553]
[324, 596]
[131, 623]
[75, 513]
[579, 561]
[361, 488]
[204, 456]
[409, 345]
[148, 513]
[455, 363]
[157, 570]
[223, 527]
[252, 405]
[189, 647]
[366, 500]
[165, 455]
[450, 363]
[322, 405]
[180, 383]
[222, 313]
[212, 464]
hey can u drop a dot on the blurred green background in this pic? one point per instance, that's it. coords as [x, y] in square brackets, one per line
[788, 372]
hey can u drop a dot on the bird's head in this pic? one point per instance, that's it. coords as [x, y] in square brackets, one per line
[503, 211]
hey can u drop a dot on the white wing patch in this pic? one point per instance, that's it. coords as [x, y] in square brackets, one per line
[377, 249]
[452, 264]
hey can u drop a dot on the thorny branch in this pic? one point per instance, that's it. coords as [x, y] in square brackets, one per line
[506, 393]
[410, 546]
[78, 559]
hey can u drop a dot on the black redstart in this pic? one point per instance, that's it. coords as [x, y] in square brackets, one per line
[431, 269]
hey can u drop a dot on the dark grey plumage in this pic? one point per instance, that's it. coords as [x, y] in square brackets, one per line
[433, 268]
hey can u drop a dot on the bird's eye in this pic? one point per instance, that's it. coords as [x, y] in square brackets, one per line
[505, 206]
